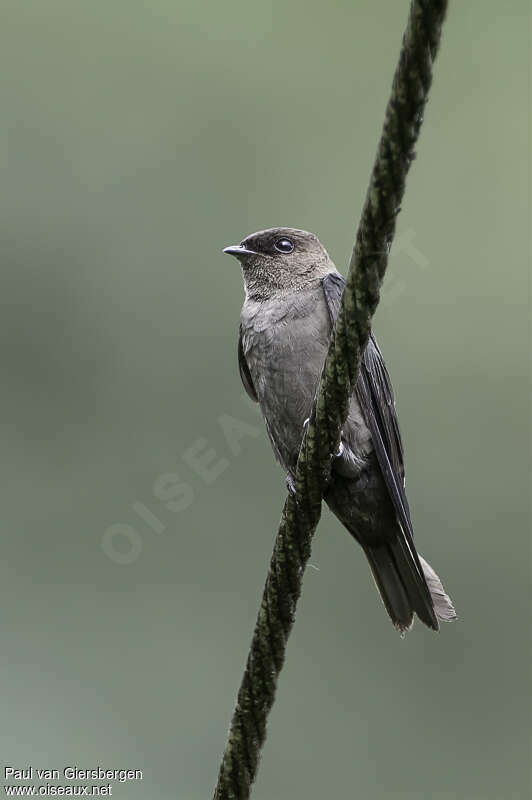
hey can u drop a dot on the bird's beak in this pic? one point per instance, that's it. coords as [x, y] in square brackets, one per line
[237, 250]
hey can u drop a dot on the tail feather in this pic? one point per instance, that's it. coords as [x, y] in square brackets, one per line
[405, 590]
[391, 587]
[442, 602]
[414, 581]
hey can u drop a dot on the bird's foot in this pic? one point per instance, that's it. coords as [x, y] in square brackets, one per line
[339, 453]
[327, 473]
[334, 459]
[290, 484]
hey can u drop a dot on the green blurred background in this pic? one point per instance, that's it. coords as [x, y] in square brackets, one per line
[138, 139]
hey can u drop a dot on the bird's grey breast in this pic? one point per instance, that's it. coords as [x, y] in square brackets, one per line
[285, 341]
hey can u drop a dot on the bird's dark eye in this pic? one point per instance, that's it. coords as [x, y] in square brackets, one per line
[284, 245]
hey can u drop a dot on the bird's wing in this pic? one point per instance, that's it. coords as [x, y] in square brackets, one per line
[375, 395]
[244, 369]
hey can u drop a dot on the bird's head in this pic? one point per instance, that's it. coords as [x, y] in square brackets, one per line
[280, 261]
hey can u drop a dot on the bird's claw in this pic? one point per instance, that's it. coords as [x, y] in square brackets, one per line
[290, 484]
[327, 475]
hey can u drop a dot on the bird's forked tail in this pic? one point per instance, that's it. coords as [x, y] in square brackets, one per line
[405, 590]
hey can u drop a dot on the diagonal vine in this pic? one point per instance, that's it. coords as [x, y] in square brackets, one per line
[402, 123]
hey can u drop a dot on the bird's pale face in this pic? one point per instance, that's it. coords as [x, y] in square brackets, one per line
[280, 260]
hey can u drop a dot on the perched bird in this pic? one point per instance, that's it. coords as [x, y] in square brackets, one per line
[292, 297]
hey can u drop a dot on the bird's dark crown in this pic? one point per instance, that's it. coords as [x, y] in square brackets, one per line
[280, 260]
[264, 242]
